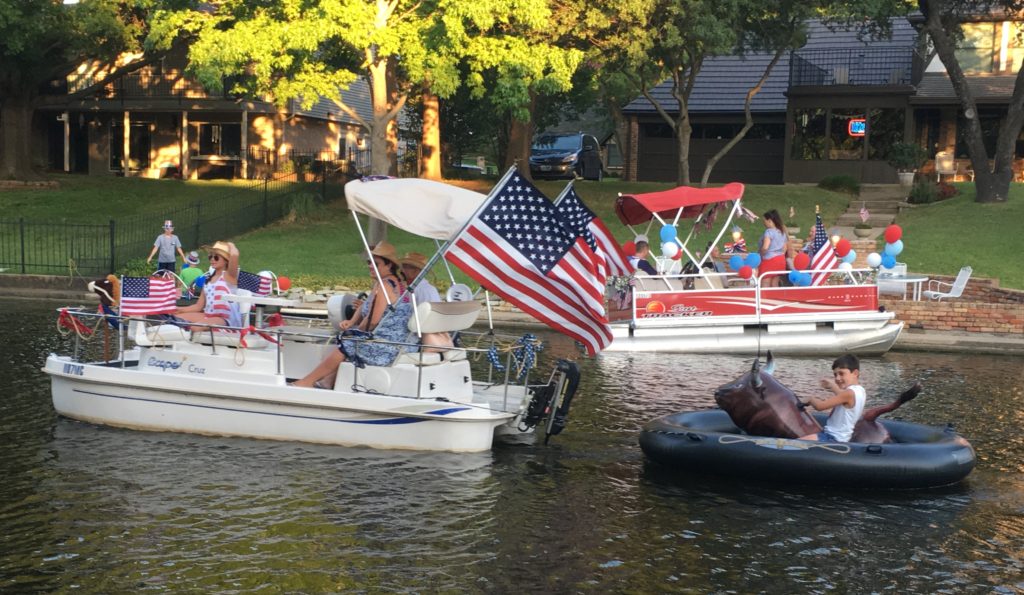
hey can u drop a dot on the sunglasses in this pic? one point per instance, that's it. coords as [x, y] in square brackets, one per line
[214, 257]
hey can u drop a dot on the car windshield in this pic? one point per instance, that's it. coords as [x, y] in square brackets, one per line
[554, 142]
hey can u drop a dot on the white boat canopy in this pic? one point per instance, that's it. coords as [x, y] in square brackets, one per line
[426, 208]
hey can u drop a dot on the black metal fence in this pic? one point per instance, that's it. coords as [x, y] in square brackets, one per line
[863, 66]
[33, 247]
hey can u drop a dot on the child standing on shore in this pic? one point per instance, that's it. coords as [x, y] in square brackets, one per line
[846, 402]
[166, 244]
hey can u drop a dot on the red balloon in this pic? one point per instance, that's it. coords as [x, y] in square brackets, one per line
[801, 261]
[745, 271]
[629, 248]
[284, 283]
[892, 233]
[842, 247]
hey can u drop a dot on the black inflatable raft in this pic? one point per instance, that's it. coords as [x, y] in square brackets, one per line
[708, 442]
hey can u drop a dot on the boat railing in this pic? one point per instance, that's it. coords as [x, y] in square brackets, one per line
[488, 346]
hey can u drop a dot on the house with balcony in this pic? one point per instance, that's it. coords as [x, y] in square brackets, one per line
[142, 116]
[833, 107]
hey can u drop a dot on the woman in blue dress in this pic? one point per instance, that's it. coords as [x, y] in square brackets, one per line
[374, 317]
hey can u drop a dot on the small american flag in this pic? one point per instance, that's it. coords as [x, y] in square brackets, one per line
[581, 221]
[257, 284]
[516, 247]
[148, 295]
[864, 214]
[823, 255]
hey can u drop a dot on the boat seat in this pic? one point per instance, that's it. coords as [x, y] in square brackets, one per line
[230, 339]
[444, 317]
[430, 358]
[156, 335]
[710, 282]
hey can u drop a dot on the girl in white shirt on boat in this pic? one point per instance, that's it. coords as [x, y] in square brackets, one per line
[846, 402]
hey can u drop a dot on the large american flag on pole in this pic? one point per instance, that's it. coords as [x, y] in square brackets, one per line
[148, 295]
[257, 284]
[581, 221]
[516, 247]
[823, 254]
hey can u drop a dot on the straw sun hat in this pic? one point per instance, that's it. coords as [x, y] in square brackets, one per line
[386, 251]
[414, 259]
[220, 249]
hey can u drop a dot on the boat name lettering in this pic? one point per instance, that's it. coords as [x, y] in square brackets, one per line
[76, 369]
[162, 363]
[684, 310]
[194, 369]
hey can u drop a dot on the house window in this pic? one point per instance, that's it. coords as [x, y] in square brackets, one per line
[657, 131]
[978, 51]
[885, 128]
[990, 120]
[809, 134]
[1015, 51]
[220, 139]
[140, 143]
[845, 144]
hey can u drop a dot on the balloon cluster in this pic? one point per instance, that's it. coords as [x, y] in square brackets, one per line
[745, 266]
[893, 247]
[669, 244]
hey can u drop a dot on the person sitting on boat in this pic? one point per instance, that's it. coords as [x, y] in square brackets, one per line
[212, 308]
[374, 316]
[774, 244]
[412, 265]
[639, 260]
[846, 401]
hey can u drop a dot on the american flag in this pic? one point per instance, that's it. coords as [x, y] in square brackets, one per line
[148, 295]
[516, 247]
[823, 254]
[582, 222]
[739, 246]
[257, 284]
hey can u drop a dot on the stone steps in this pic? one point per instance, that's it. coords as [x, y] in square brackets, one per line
[882, 201]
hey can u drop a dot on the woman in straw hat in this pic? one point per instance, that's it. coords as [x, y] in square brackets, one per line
[388, 288]
[212, 308]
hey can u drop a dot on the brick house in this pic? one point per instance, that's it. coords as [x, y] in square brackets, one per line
[144, 117]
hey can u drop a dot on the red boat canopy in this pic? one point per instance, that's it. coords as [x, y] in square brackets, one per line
[633, 209]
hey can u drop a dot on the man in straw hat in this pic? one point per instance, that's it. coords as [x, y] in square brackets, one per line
[166, 243]
[412, 265]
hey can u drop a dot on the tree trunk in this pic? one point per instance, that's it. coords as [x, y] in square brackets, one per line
[519, 141]
[683, 131]
[430, 145]
[15, 145]
[377, 230]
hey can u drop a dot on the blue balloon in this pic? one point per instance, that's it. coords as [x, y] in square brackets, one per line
[894, 248]
[753, 260]
[736, 262]
[794, 277]
[668, 233]
[199, 282]
[850, 256]
[888, 261]
[805, 280]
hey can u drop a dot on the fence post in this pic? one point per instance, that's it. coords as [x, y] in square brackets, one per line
[113, 254]
[266, 211]
[22, 226]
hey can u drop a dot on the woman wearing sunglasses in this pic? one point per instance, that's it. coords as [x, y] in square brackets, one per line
[212, 308]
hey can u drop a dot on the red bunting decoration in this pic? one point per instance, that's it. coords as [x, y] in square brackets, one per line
[893, 233]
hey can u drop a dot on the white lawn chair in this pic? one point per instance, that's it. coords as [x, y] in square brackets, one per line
[956, 288]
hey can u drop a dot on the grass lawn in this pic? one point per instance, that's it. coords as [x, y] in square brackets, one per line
[323, 247]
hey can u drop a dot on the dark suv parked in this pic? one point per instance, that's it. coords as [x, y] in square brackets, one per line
[566, 156]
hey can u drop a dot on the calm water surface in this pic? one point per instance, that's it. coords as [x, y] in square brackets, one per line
[88, 509]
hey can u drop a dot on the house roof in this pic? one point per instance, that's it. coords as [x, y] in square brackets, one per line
[722, 83]
[357, 97]
[936, 88]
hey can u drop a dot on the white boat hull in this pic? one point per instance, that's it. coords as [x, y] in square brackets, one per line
[139, 398]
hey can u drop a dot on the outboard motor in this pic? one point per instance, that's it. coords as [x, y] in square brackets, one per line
[553, 400]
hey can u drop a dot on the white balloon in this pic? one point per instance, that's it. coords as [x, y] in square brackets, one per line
[845, 266]
[874, 259]
[669, 249]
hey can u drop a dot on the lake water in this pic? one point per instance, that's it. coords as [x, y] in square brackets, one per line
[88, 509]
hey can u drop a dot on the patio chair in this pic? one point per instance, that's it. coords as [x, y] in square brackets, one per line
[945, 165]
[956, 288]
[893, 287]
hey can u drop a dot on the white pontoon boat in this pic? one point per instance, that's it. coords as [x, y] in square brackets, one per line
[700, 310]
[234, 381]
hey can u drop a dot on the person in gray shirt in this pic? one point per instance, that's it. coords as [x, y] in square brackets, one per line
[166, 244]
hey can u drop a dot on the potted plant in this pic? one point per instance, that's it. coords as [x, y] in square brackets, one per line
[907, 158]
[792, 227]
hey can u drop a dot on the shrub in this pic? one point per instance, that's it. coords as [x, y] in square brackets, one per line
[923, 193]
[906, 156]
[137, 267]
[840, 183]
[947, 190]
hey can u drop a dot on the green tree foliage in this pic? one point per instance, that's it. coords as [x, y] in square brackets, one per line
[43, 40]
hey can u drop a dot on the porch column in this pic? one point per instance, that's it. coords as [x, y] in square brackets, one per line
[126, 145]
[183, 146]
[65, 117]
[245, 144]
